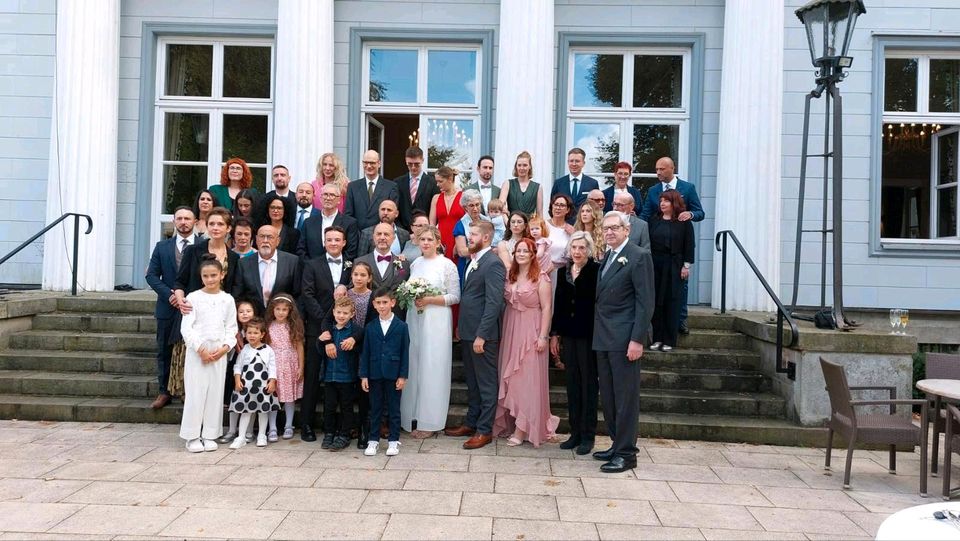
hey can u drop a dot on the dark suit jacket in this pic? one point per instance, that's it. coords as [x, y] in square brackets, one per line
[188, 276]
[296, 215]
[364, 210]
[494, 192]
[248, 284]
[639, 233]
[425, 192]
[608, 194]
[481, 299]
[562, 185]
[625, 300]
[687, 191]
[162, 276]
[366, 239]
[573, 304]
[385, 356]
[311, 238]
[289, 239]
[316, 292]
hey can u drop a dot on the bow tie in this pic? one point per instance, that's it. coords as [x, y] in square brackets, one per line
[384, 258]
[334, 261]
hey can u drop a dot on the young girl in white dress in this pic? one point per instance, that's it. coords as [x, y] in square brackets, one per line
[209, 332]
[255, 380]
[426, 395]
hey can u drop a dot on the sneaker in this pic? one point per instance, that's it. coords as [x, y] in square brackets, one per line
[340, 443]
[288, 433]
[393, 448]
[238, 442]
[327, 440]
[371, 449]
[209, 445]
[665, 348]
[656, 345]
[261, 441]
[227, 438]
[195, 446]
[272, 437]
[249, 436]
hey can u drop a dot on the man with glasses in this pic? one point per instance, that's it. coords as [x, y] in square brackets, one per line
[575, 184]
[312, 239]
[272, 271]
[639, 231]
[419, 223]
[364, 195]
[597, 199]
[416, 187]
[621, 184]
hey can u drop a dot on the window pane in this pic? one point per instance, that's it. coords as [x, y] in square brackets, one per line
[189, 70]
[652, 142]
[900, 85]
[947, 159]
[947, 212]
[597, 80]
[450, 144]
[181, 183]
[185, 137]
[260, 178]
[657, 81]
[905, 181]
[393, 75]
[944, 86]
[246, 72]
[601, 142]
[245, 136]
[452, 77]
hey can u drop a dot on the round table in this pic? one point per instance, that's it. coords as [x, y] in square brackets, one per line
[918, 523]
[944, 388]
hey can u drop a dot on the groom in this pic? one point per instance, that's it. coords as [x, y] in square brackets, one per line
[481, 303]
[624, 307]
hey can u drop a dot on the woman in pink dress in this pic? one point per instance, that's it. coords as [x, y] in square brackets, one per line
[445, 212]
[523, 405]
[330, 170]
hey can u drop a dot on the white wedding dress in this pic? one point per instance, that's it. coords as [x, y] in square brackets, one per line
[426, 396]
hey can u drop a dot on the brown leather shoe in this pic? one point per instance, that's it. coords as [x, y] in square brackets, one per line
[459, 431]
[478, 441]
[161, 401]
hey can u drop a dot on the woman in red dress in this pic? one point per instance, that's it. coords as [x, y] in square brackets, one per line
[445, 212]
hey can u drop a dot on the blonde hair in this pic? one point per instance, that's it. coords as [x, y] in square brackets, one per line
[340, 177]
[495, 204]
[597, 233]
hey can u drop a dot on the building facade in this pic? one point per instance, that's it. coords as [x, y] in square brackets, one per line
[123, 109]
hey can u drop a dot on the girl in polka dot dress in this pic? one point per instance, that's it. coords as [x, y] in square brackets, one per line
[255, 380]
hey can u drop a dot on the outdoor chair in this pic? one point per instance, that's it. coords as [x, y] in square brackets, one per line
[883, 429]
[951, 445]
[939, 366]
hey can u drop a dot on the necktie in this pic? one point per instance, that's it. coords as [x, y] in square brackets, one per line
[179, 254]
[303, 212]
[266, 280]
[334, 261]
[666, 187]
[606, 265]
[370, 189]
[414, 184]
[384, 258]
[576, 187]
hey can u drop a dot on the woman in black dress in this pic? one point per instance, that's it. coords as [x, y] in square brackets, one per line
[672, 246]
[275, 211]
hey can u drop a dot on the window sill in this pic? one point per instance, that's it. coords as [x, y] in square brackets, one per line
[949, 248]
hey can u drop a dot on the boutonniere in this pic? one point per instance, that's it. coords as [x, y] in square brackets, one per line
[622, 260]
[398, 263]
[474, 265]
[347, 264]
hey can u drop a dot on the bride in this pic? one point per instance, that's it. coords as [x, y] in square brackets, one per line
[427, 393]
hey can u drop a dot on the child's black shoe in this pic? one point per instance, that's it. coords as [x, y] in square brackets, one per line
[339, 443]
[327, 440]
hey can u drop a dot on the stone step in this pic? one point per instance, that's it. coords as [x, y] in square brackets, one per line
[731, 359]
[705, 318]
[141, 302]
[59, 340]
[705, 380]
[95, 322]
[99, 384]
[713, 339]
[78, 361]
[732, 429]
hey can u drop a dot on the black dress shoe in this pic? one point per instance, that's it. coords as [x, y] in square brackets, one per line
[603, 455]
[307, 434]
[684, 329]
[618, 464]
[571, 442]
[585, 447]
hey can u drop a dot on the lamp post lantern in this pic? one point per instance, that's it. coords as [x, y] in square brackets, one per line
[829, 25]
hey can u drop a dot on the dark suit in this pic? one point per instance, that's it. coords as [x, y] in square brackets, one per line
[481, 307]
[384, 359]
[639, 233]
[624, 307]
[494, 192]
[248, 286]
[365, 209]
[425, 192]
[366, 239]
[316, 301]
[562, 185]
[296, 216]
[289, 239]
[674, 246]
[162, 277]
[311, 238]
[609, 193]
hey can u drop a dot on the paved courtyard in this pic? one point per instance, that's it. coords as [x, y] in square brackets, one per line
[126, 481]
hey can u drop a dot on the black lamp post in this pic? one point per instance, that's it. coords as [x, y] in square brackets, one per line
[829, 25]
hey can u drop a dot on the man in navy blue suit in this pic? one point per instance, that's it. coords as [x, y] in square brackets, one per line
[162, 275]
[576, 184]
[304, 205]
[668, 181]
[364, 195]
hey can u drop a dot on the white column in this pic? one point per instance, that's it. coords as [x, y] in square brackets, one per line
[82, 175]
[748, 157]
[303, 104]
[525, 89]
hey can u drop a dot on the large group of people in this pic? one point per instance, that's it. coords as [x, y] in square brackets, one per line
[359, 289]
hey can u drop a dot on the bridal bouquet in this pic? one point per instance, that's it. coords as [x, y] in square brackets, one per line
[411, 290]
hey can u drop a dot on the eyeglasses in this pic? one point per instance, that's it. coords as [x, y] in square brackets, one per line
[558, 204]
[411, 164]
[598, 199]
[611, 228]
[266, 237]
[235, 168]
[276, 208]
[331, 195]
[370, 163]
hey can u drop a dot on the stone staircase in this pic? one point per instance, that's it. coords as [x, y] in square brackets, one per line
[92, 360]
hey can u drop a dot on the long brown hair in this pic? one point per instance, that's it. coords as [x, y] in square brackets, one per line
[245, 181]
[676, 200]
[294, 321]
[533, 273]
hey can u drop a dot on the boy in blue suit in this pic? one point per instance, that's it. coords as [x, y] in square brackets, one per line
[384, 364]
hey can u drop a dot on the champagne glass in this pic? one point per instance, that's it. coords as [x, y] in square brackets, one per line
[904, 318]
[894, 319]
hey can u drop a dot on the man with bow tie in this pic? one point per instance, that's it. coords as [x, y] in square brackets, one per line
[389, 270]
[484, 184]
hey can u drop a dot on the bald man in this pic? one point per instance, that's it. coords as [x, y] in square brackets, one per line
[364, 195]
[388, 215]
[304, 205]
[272, 271]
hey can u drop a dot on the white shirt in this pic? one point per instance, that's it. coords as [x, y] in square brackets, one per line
[614, 253]
[336, 270]
[385, 324]
[267, 279]
[381, 265]
[671, 185]
[327, 221]
[189, 238]
[476, 257]
[486, 191]
[367, 181]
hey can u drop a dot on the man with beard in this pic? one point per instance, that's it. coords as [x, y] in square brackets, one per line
[388, 215]
[484, 184]
[304, 205]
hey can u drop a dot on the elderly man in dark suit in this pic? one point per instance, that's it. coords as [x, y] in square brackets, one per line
[388, 215]
[624, 308]
[389, 270]
[272, 271]
[312, 238]
[639, 230]
[162, 277]
[481, 306]
[364, 195]
[416, 188]
[576, 184]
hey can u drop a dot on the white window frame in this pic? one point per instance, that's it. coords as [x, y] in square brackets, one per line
[215, 106]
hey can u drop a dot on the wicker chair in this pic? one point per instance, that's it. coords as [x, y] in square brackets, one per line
[951, 445]
[939, 366]
[892, 430]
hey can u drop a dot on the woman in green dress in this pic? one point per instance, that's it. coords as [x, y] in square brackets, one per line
[234, 177]
[522, 192]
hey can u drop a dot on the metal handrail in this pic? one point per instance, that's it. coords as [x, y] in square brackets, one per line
[76, 241]
[720, 243]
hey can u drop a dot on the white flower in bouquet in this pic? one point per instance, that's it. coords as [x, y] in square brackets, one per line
[416, 288]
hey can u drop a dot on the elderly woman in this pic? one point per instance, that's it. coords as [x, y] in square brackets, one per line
[589, 218]
[571, 339]
[275, 213]
[472, 203]
[330, 171]
[672, 247]
[234, 177]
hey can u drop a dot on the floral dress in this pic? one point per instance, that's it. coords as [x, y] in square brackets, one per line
[289, 388]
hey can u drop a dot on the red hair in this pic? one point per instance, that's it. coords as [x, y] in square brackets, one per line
[533, 273]
[676, 200]
[245, 181]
